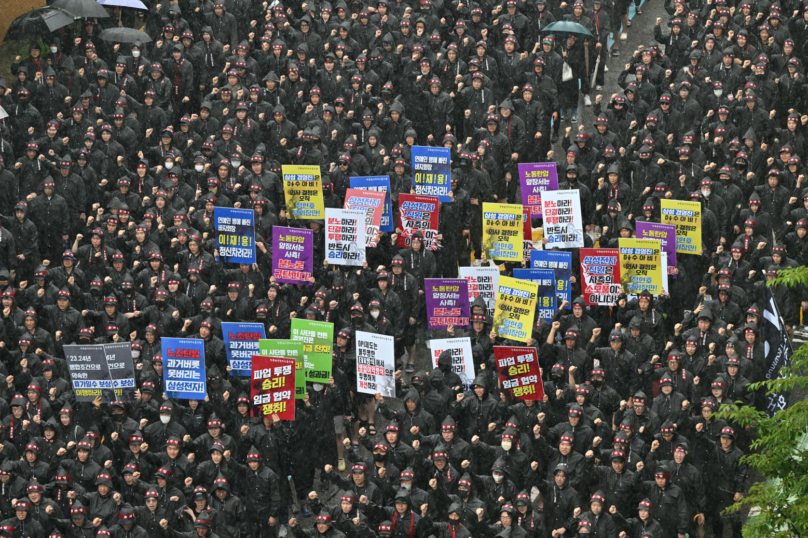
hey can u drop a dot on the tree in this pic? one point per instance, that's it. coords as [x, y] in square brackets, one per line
[780, 449]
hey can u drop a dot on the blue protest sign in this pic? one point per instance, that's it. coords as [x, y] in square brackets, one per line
[184, 368]
[545, 278]
[240, 344]
[561, 263]
[377, 184]
[235, 234]
[432, 171]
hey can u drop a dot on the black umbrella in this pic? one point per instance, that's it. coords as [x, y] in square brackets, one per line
[37, 22]
[124, 35]
[88, 9]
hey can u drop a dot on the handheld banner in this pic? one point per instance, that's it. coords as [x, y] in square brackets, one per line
[235, 234]
[375, 364]
[432, 171]
[600, 275]
[515, 308]
[687, 218]
[447, 302]
[640, 266]
[88, 369]
[666, 233]
[502, 232]
[519, 373]
[273, 387]
[287, 349]
[372, 205]
[545, 278]
[303, 190]
[482, 282]
[462, 359]
[184, 368]
[563, 221]
[318, 340]
[121, 370]
[535, 178]
[240, 344]
[378, 184]
[417, 214]
[292, 255]
[561, 264]
[344, 237]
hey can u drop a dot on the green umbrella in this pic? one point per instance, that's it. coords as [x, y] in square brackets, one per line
[566, 27]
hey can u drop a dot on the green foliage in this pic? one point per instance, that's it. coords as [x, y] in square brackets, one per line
[780, 449]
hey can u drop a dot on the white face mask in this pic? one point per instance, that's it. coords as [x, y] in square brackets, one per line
[375, 314]
[136, 53]
[317, 386]
[169, 165]
[135, 354]
[407, 485]
[506, 445]
[705, 193]
[236, 163]
[165, 419]
[498, 478]
[718, 93]
[199, 167]
[54, 50]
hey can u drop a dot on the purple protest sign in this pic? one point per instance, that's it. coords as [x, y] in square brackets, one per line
[292, 260]
[666, 233]
[447, 302]
[533, 179]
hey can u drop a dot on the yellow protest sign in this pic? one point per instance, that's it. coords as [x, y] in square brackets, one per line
[515, 308]
[641, 266]
[502, 232]
[686, 216]
[303, 189]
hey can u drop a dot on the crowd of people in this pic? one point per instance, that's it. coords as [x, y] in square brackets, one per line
[114, 155]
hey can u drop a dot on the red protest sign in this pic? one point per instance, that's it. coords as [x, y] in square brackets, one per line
[273, 387]
[518, 370]
[418, 213]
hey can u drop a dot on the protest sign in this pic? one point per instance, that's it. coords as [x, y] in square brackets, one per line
[88, 369]
[447, 302]
[527, 233]
[503, 232]
[563, 221]
[184, 368]
[121, 370]
[561, 264]
[372, 205]
[273, 387]
[303, 190]
[687, 218]
[482, 282]
[640, 266]
[292, 255]
[666, 233]
[535, 178]
[600, 272]
[318, 341]
[375, 364]
[545, 278]
[235, 234]
[240, 344]
[344, 236]
[519, 373]
[462, 359]
[515, 308]
[432, 171]
[378, 184]
[288, 349]
[417, 214]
